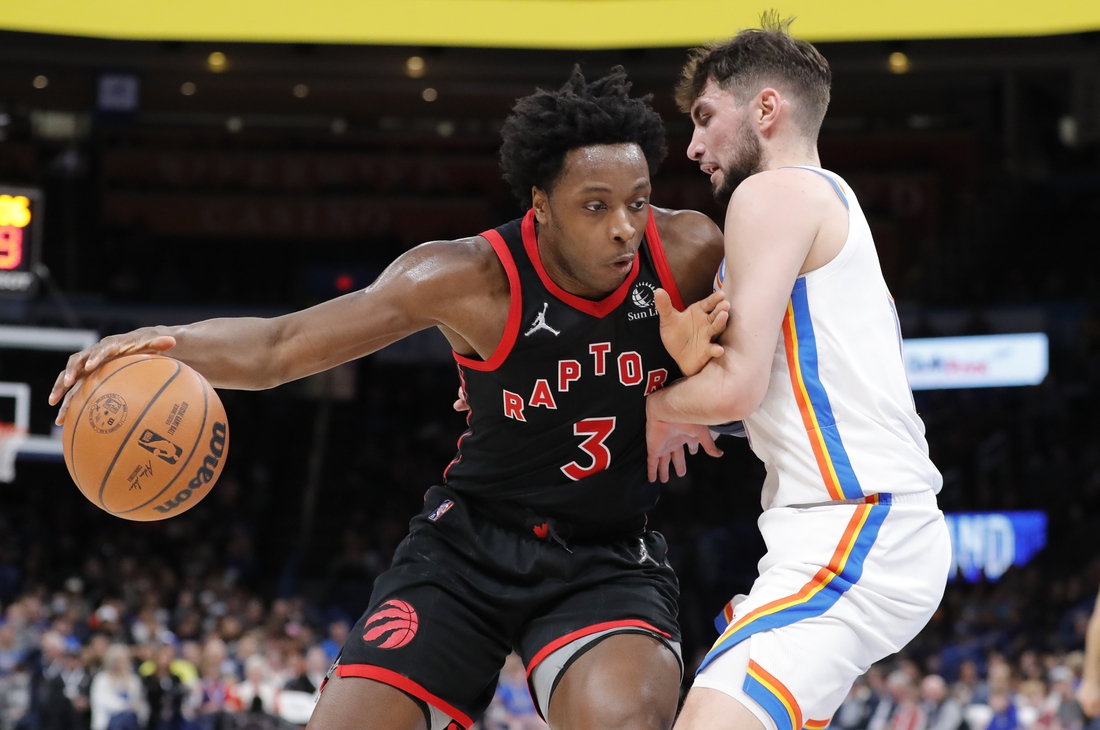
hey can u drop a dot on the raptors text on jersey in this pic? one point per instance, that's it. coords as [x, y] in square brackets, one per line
[557, 413]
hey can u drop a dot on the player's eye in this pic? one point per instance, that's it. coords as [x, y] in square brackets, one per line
[639, 204]
[595, 207]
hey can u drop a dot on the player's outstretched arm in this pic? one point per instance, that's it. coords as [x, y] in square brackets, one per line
[771, 225]
[450, 284]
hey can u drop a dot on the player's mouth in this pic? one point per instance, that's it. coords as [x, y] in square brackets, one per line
[624, 263]
[710, 168]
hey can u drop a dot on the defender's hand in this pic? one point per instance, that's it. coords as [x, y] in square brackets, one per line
[461, 404]
[145, 340]
[689, 335]
[666, 441]
[1088, 695]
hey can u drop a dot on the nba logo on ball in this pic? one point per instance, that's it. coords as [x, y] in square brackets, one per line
[392, 626]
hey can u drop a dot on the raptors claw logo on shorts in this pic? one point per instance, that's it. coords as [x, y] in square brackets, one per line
[391, 626]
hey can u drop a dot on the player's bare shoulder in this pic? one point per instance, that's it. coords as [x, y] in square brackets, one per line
[461, 285]
[694, 246]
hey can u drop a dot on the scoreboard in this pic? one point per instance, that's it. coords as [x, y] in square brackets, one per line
[20, 240]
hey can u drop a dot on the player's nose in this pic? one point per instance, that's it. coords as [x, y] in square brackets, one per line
[696, 148]
[622, 230]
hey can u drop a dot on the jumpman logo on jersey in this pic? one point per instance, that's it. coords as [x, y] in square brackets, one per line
[540, 323]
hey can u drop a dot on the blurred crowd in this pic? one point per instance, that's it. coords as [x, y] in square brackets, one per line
[66, 664]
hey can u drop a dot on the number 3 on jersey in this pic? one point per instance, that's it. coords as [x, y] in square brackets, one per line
[597, 430]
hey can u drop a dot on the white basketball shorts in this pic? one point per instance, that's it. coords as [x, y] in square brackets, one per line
[842, 586]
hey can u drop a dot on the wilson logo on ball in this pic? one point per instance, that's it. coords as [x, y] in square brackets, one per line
[391, 626]
[205, 472]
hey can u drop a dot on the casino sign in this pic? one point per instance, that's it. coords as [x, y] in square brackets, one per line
[20, 240]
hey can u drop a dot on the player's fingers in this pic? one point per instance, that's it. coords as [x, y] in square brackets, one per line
[693, 446]
[60, 420]
[461, 405]
[651, 467]
[662, 469]
[710, 303]
[709, 446]
[679, 462]
[718, 324]
[101, 353]
[663, 302]
[716, 351]
[74, 368]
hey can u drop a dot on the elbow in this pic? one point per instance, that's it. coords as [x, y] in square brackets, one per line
[737, 398]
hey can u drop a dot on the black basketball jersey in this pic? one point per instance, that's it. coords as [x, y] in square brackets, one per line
[557, 413]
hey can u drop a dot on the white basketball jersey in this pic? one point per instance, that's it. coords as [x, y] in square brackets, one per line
[838, 420]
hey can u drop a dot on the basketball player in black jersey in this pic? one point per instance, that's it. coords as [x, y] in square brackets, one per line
[537, 538]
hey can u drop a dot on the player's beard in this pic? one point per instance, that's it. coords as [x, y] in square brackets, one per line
[748, 161]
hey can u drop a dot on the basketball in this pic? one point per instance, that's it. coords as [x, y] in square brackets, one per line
[145, 437]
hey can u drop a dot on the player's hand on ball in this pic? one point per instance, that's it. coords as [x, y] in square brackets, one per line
[689, 335]
[145, 340]
[666, 441]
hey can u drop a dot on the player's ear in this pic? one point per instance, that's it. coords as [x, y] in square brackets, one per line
[540, 201]
[768, 104]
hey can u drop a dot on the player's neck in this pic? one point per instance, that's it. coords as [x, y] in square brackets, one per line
[791, 154]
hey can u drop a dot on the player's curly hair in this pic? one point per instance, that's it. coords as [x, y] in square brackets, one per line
[546, 125]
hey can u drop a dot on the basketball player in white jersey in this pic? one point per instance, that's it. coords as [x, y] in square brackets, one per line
[858, 551]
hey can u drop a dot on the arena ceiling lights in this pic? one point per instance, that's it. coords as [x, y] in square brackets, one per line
[562, 24]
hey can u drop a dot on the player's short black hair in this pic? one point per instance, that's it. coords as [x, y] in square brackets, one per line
[754, 58]
[546, 125]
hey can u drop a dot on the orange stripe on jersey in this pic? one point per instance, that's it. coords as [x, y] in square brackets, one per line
[809, 418]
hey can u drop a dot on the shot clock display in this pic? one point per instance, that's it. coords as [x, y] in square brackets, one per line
[20, 240]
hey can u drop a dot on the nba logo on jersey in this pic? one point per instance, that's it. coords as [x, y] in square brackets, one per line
[441, 510]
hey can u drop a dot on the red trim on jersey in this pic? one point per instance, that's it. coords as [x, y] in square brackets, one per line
[515, 309]
[597, 309]
[561, 641]
[660, 262]
[406, 685]
[467, 432]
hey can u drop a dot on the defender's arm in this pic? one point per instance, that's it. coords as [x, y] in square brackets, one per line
[771, 225]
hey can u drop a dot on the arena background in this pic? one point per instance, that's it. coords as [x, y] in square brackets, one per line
[206, 159]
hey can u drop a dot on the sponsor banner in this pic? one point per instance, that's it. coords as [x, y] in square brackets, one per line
[985, 361]
[989, 543]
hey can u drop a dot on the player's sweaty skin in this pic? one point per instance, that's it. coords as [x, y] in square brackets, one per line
[590, 227]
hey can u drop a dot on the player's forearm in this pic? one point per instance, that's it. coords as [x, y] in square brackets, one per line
[237, 352]
[711, 397]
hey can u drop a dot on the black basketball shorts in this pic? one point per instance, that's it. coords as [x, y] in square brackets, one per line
[464, 591]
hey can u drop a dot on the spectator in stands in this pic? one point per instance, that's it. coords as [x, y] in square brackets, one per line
[942, 712]
[1004, 711]
[165, 691]
[337, 635]
[311, 671]
[257, 692]
[117, 694]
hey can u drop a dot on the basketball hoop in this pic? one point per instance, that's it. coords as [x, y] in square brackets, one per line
[11, 439]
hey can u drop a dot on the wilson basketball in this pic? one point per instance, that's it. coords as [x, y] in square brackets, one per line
[145, 437]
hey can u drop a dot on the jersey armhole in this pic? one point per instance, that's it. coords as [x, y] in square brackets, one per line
[515, 310]
[660, 262]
